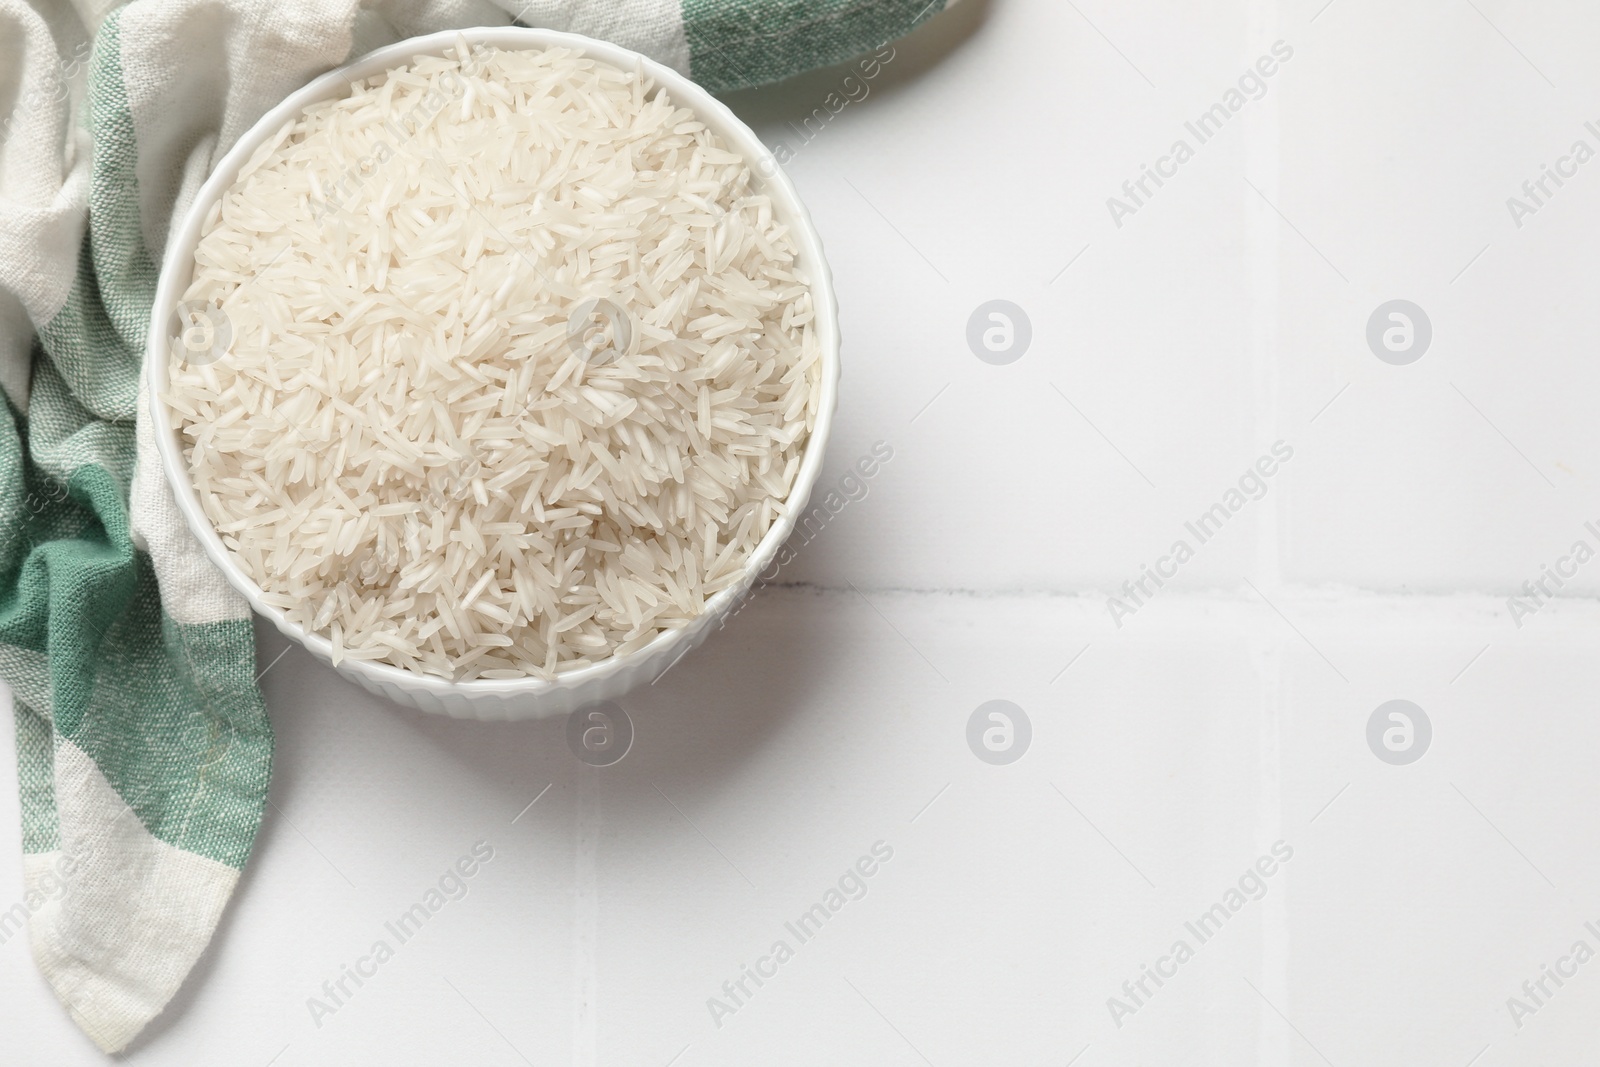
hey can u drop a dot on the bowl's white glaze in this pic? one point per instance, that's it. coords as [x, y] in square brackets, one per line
[608, 679]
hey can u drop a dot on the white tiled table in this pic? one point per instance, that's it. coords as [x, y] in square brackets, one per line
[1226, 714]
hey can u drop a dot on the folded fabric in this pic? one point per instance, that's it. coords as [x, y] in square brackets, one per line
[143, 745]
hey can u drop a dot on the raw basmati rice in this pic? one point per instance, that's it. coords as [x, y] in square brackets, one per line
[519, 367]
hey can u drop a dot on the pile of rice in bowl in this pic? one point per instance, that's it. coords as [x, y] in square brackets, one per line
[506, 365]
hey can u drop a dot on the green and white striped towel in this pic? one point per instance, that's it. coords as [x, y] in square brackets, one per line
[143, 745]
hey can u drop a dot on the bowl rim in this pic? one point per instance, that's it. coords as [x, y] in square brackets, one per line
[178, 260]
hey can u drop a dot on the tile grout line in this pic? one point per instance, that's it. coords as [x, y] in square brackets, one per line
[1264, 161]
[587, 821]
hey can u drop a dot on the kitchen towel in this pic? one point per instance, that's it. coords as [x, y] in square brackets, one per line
[143, 745]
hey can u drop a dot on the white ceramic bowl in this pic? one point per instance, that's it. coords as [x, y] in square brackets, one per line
[608, 679]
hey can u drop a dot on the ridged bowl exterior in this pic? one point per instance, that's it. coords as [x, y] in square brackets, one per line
[614, 677]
